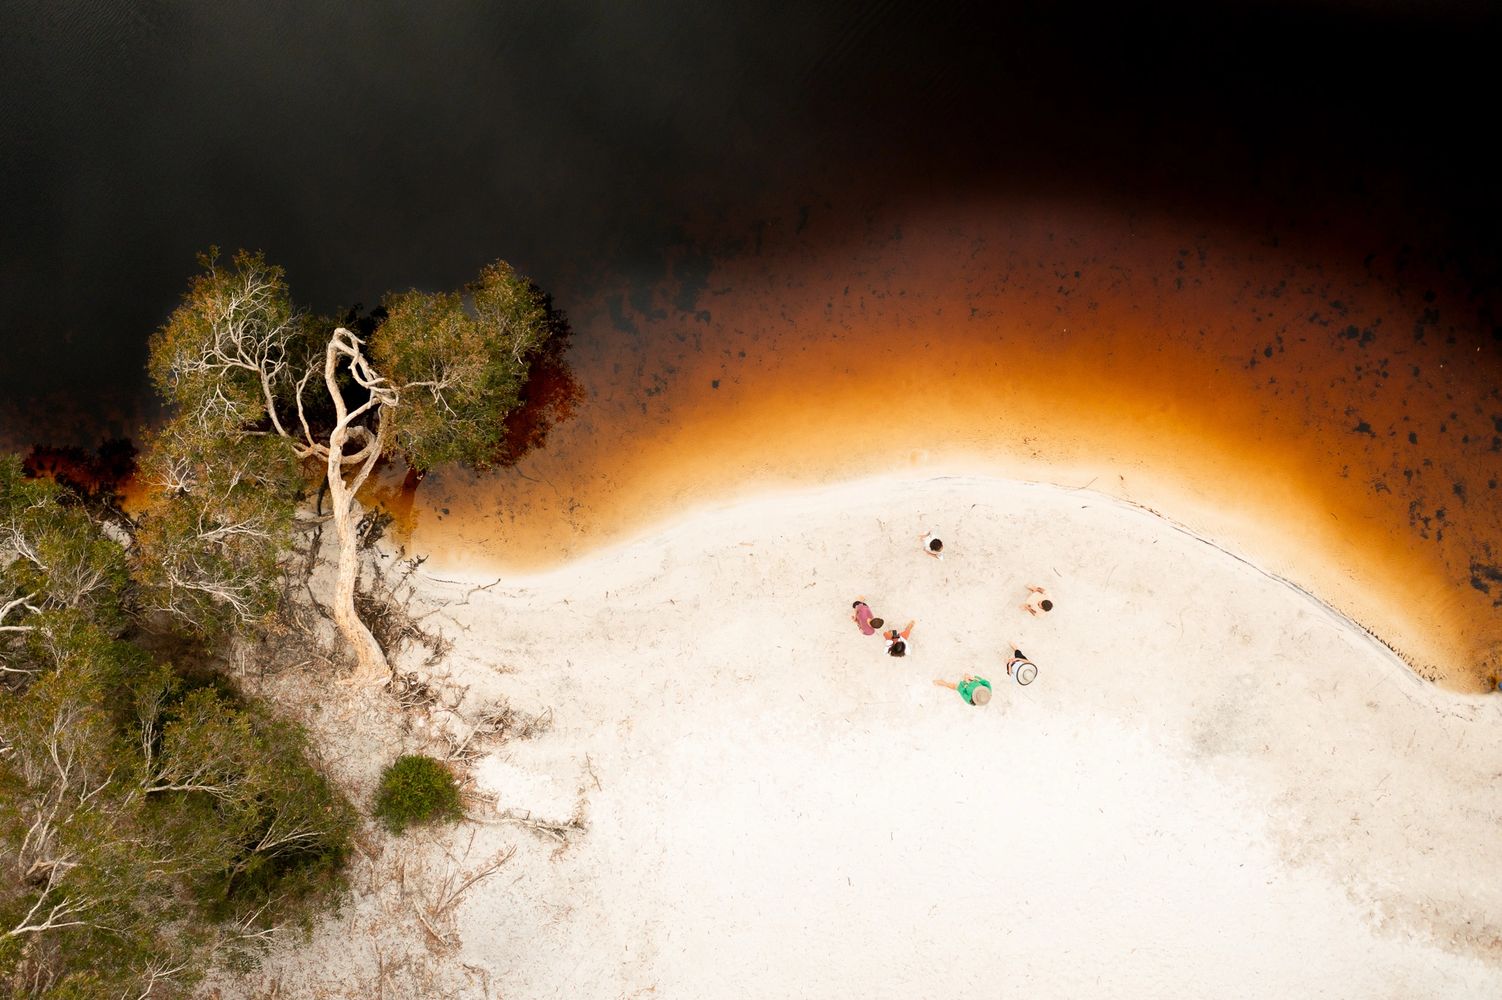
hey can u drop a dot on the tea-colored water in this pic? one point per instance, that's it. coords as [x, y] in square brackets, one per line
[1334, 420]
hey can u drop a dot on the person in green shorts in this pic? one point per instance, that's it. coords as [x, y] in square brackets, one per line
[975, 690]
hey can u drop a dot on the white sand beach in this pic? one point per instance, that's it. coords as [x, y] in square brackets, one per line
[1216, 787]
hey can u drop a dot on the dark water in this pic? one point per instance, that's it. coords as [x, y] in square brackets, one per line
[704, 185]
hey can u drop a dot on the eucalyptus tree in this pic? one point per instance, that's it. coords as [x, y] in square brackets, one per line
[258, 386]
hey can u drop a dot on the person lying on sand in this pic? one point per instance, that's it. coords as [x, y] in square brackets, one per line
[975, 690]
[898, 642]
[1038, 602]
[932, 545]
[862, 617]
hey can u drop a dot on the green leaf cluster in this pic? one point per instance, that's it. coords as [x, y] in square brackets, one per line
[53, 556]
[234, 781]
[416, 790]
[211, 539]
[84, 904]
[223, 483]
[461, 362]
[234, 324]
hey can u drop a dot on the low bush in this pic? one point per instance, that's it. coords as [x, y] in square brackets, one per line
[415, 790]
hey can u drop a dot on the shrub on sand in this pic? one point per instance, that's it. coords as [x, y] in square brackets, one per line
[415, 790]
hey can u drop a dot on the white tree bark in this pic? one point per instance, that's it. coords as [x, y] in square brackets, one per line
[249, 335]
[370, 660]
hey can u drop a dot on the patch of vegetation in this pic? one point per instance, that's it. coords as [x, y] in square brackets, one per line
[261, 392]
[154, 819]
[149, 818]
[416, 790]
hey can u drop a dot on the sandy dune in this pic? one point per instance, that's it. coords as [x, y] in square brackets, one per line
[1215, 787]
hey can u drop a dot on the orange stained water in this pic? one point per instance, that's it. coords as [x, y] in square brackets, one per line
[1334, 421]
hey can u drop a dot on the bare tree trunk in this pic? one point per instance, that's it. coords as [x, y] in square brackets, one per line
[370, 661]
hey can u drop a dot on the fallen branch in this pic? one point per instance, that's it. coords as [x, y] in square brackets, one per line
[442, 941]
[589, 765]
[551, 828]
[503, 723]
[451, 896]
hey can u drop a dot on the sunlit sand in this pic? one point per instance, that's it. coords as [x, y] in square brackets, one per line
[1215, 787]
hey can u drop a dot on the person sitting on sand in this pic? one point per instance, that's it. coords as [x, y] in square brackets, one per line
[975, 690]
[1025, 669]
[932, 545]
[1038, 602]
[898, 643]
[862, 617]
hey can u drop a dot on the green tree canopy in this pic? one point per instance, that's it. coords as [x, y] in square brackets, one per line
[466, 363]
[58, 571]
[247, 374]
[220, 520]
[143, 818]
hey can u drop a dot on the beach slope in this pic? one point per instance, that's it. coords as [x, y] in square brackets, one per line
[1215, 787]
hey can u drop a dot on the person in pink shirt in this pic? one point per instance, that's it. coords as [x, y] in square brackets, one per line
[862, 617]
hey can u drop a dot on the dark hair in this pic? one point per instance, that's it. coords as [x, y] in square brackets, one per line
[897, 648]
[936, 546]
[878, 622]
[856, 604]
[1047, 605]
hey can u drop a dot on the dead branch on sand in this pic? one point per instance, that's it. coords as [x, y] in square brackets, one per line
[435, 913]
[559, 831]
[497, 724]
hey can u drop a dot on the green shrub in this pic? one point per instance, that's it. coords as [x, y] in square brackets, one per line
[416, 789]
